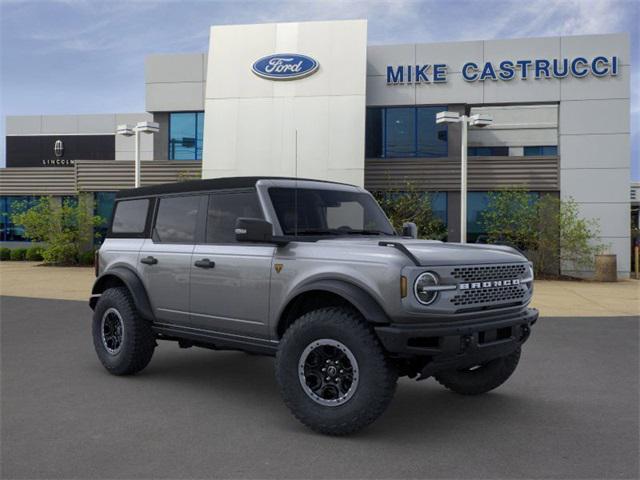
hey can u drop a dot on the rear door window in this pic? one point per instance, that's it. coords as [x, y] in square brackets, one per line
[130, 216]
[176, 219]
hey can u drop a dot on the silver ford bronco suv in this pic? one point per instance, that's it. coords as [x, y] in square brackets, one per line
[313, 273]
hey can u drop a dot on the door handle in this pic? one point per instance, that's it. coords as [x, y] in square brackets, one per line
[149, 260]
[205, 263]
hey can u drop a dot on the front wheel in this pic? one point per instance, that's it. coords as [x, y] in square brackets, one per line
[480, 378]
[333, 373]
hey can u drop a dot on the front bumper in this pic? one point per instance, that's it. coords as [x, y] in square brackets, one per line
[459, 345]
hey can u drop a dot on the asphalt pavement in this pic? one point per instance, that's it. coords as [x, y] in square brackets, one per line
[569, 411]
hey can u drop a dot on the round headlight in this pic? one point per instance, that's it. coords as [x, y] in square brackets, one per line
[422, 289]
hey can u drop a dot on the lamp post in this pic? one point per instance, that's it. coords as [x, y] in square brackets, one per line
[128, 131]
[477, 120]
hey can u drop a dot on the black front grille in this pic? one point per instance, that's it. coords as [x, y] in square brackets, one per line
[508, 294]
[489, 272]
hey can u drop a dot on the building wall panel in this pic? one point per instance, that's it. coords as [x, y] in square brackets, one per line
[485, 173]
[38, 181]
[251, 122]
[103, 176]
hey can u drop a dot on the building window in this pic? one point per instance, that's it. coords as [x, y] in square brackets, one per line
[400, 132]
[488, 151]
[10, 232]
[541, 151]
[185, 135]
[477, 204]
[103, 207]
[439, 206]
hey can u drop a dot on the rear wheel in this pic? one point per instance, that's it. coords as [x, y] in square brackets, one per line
[333, 373]
[122, 339]
[480, 378]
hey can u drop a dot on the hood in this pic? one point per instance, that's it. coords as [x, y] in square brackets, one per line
[434, 253]
[437, 253]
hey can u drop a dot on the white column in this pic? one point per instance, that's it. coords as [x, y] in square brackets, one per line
[463, 182]
[137, 159]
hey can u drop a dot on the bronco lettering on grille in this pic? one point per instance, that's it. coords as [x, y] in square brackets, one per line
[492, 284]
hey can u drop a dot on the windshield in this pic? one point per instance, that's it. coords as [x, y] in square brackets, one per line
[319, 212]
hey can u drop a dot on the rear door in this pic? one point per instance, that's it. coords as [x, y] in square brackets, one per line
[230, 280]
[165, 259]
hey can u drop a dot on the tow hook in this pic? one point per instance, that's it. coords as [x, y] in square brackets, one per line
[465, 342]
[525, 333]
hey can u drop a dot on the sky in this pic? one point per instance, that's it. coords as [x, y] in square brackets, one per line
[87, 56]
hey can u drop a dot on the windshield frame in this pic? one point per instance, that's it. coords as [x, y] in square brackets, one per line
[264, 187]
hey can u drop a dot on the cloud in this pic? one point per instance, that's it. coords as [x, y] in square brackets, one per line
[67, 56]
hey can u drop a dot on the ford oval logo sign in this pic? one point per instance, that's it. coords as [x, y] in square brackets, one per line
[285, 66]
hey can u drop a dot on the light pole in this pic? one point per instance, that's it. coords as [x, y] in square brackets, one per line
[477, 120]
[128, 131]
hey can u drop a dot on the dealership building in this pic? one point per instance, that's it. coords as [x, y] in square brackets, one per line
[313, 100]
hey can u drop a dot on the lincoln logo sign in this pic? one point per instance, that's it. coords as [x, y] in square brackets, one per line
[495, 283]
[285, 66]
[58, 148]
[505, 70]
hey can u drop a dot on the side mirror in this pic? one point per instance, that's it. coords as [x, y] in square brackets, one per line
[253, 230]
[257, 230]
[410, 229]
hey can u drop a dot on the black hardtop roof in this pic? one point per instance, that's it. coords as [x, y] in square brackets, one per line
[205, 185]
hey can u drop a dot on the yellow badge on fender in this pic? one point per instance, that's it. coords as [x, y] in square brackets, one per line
[278, 267]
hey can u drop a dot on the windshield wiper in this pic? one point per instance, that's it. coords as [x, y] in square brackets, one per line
[364, 232]
[316, 232]
[335, 231]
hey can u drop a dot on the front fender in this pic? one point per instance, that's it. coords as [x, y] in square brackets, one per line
[132, 281]
[359, 298]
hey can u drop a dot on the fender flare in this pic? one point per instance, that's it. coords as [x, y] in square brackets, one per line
[132, 281]
[357, 296]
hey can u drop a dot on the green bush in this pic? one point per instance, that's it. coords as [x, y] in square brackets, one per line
[34, 254]
[18, 254]
[408, 204]
[5, 253]
[67, 228]
[548, 229]
[87, 258]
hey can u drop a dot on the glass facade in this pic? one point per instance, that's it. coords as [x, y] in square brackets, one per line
[541, 151]
[185, 135]
[393, 132]
[477, 203]
[488, 151]
[439, 205]
[103, 207]
[10, 232]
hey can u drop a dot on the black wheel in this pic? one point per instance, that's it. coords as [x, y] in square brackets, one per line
[333, 373]
[480, 378]
[123, 340]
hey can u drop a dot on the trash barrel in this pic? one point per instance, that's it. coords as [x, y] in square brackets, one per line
[606, 268]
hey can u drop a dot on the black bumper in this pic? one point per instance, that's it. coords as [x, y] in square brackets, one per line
[459, 345]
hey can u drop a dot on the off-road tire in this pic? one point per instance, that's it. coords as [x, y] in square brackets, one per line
[482, 379]
[138, 342]
[377, 376]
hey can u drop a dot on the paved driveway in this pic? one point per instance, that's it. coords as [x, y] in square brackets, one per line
[570, 411]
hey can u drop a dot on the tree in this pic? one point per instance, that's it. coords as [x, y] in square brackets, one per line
[407, 204]
[67, 228]
[579, 237]
[511, 218]
[548, 229]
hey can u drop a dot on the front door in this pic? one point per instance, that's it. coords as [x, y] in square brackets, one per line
[166, 257]
[230, 280]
